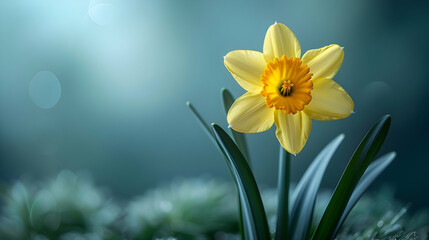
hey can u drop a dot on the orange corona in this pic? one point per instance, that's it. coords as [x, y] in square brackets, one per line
[287, 84]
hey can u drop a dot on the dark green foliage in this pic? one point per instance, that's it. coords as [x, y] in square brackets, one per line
[202, 208]
[296, 224]
[254, 219]
[304, 196]
[363, 156]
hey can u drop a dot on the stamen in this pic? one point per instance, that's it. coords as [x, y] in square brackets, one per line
[286, 87]
[287, 84]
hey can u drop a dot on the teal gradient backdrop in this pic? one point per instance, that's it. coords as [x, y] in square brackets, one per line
[119, 74]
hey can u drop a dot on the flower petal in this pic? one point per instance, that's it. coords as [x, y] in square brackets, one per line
[324, 62]
[246, 67]
[292, 130]
[280, 41]
[250, 114]
[329, 101]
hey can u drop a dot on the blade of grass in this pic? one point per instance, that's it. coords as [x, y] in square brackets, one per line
[238, 137]
[241, 230]
[202, 122]
[282, 226]
[244, 231]
[246, 184]
[362, 157]
[373, 171]
[306, 191]
[248, 231]
[240, 140]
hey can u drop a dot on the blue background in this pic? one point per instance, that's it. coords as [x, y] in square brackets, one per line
[126, 69]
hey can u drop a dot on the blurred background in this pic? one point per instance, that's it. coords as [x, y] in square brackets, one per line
[101, 86]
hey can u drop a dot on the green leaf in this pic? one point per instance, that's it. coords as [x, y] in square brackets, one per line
[202, 122]
[362, 157]
[255, 217]
[243, 230]
[373, 171]
[240, 140]
[246, 222]
[238, 137]
[304, 196]
[282, 227]
[243, 233]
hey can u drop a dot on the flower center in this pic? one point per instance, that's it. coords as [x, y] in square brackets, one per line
[286, 87]
[287, 84]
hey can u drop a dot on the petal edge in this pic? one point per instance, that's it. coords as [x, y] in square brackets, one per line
[279, 41]
[324, 62]
[250, 114]
[246, 67]
[329, 101]
[292, 130]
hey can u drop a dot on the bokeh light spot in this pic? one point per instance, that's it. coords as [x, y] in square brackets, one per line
[103, 14]
[45, 89]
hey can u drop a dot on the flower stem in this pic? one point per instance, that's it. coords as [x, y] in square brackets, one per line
[282, 230]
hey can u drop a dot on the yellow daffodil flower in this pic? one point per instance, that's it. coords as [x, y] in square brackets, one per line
[286, 89]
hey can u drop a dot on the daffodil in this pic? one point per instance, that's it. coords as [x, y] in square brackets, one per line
[286, 89]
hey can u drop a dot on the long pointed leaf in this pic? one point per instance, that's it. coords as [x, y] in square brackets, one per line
[246, 184]
[362, 157]
[244, 230]
[202, 122]
[238, 137]
[306, 191]
[240, 140]
[373, 171]
[249, 231]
